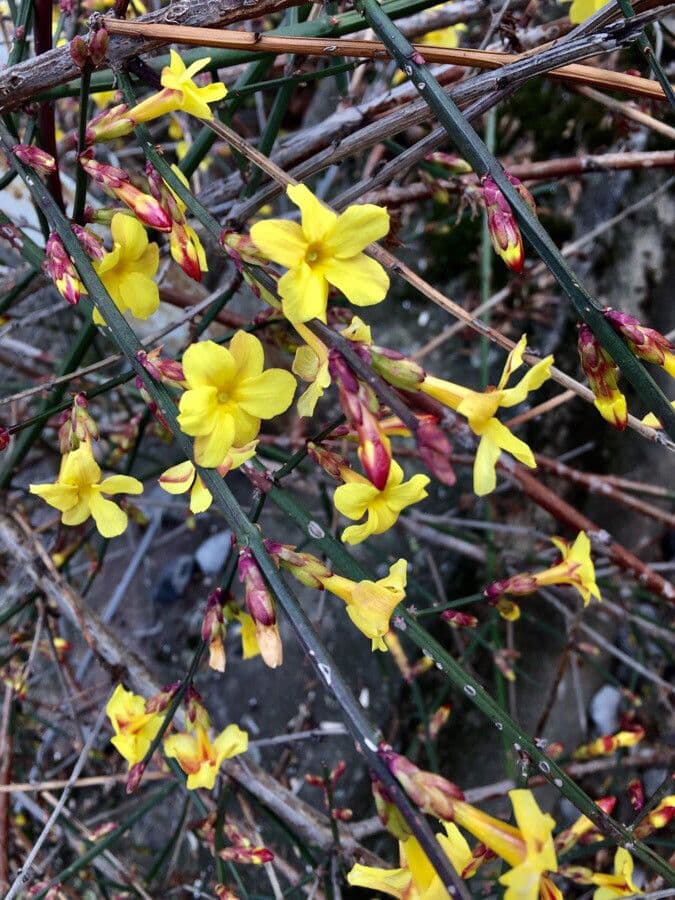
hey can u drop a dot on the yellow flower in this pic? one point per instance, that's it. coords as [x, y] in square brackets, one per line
[359, 497]
[371, 603]
[580, 10]
[182, 477]
[103, 98]
[78, 493]
[310, 364]
[128, 269]
[528, 849]
[480, 409]
[200, 758]
[326, 249]
[180, 92]
[134, 727]
[607, 744]
[416, 879]
[620, 884]
[228, 394]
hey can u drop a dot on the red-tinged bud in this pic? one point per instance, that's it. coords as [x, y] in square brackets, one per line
[523, 191]
[168, 371]
[307, 569]
[338, 771]
[646, 343]
[431, 792]
[79, 51]
[342, 814]
[109, 125]
[435, 450]
[107, 176]
[102, 830]
[196, 713]
[505, 659]
[636, 794]
[134, 777]
[455, 164]
[186, 249]
[98, 47]
[5, 438]
[439, 719]
[213, 629]
[602, 374]
[256, 856]
[388, 813]
[36, 158]
[332, 463]
[77, 425]
[610, 743]
[223, 892]
[240, 248]
[502, 226]
[160, 702]
[262, 609]
[374, 451]
[89, 241]
[58, 266]
[146, 209]
[520, 584]
[459, 619]
[397, 369]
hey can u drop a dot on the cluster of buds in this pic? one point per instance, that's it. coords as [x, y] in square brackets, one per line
[507, 241]
[242, 849]
[186, 248]
[59, 267]
[166, 371]
[327, 784]
[432, 793]
[76, 425]
[261, 607]
[602, 374]
[361, 407]
[583, 830]
[646, 343]
[458, 619]
[90, 53]
[304, 567]
[213, 629]
[144, 206]
[36, 158]
[607, 744]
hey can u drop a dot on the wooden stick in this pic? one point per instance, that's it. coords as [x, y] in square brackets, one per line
[347, 47]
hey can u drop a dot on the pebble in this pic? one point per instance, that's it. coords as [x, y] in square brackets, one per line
[213, 552]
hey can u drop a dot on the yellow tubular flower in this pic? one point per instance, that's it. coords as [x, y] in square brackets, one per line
[183, 477]
[528, 849]
[580, 10]
[127, 271]
[371, 603]
[359, 497]
[480, 409]
[228, 394]
[78, 493]
[134, 727]
[200, 758]
[326, 249]
[180, 92]
[620, 884]
[575, 568]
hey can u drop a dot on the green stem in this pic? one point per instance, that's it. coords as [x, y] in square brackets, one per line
[483, 162]
[648, 53]
[80, 174]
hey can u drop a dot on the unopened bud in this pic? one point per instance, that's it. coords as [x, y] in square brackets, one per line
[213, 629]
[89, 241]
[397, 369]
[79, 51]
[502, 226]
[431, 792]
[223, 892]
[256, 856]
[159, 702]
[196, 713]
[134, 777]
[459, 619]
[186, 249]
[332, 463]
[59, 267]
[307, 569]
[455, 164]
[636, 794]
[262, 609]
[168, 371]
[98, 47]
[646, 343]
[36, 158]
[5, 438]
[388, 813]
[602, 374]
[435, 450]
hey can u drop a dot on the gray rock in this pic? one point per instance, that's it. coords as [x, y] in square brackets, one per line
[212, 554]
[604, 708]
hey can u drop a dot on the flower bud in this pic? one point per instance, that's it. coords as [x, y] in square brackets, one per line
[397, 369]
[332, 463]
[159, 702]
[88, 240]
[145, 207]
[502, 226]
[388, 813]
[602, 372]
[5, 438]
[98, 47]
[58, 266]
[636, 794]
[646, 343]
[83, 425]
[196, 713]
[435, 450]
[455, 164]
[307, 569]
[168, 371]
[109, 125]
[431, 792]
[459, 619]
[252, 855]
[36, 158]
[610, 743]
[134, 777]
[187, 250]
[79, 51]
[261, 607]
[213, 629]
[223, 892]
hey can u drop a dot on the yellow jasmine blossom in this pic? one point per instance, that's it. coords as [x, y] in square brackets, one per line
[652, 421]
[580, 10]
[228, 395]
[200, 758]
[607, 744]
[325, 249]
[128, 269]
[480, 409]
[527, 848]
[183, 477]
[620, 884]
[78, 492]
[416, 879]
[104, 98]
[180, 92]
[358, 497]
[249, 635]
[311, 365]
[371, 603]
[134, 727]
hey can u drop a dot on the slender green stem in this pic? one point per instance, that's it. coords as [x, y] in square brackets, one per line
[483, 162]
[80, 174]
[648, 53]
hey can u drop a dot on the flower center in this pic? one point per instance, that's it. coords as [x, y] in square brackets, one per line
[313, 253]
[223, 397]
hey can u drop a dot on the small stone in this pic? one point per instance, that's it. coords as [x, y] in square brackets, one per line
[212, 554]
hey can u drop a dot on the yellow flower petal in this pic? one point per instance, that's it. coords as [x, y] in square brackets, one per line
[361, 279]
[355, 228]
[207, 364]
[200, 497]
[280, 241]
[317, 220]
[304, 293]
[178, 479]
[121, 484]
[249, 357]
[211, 448]
[110, 520]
